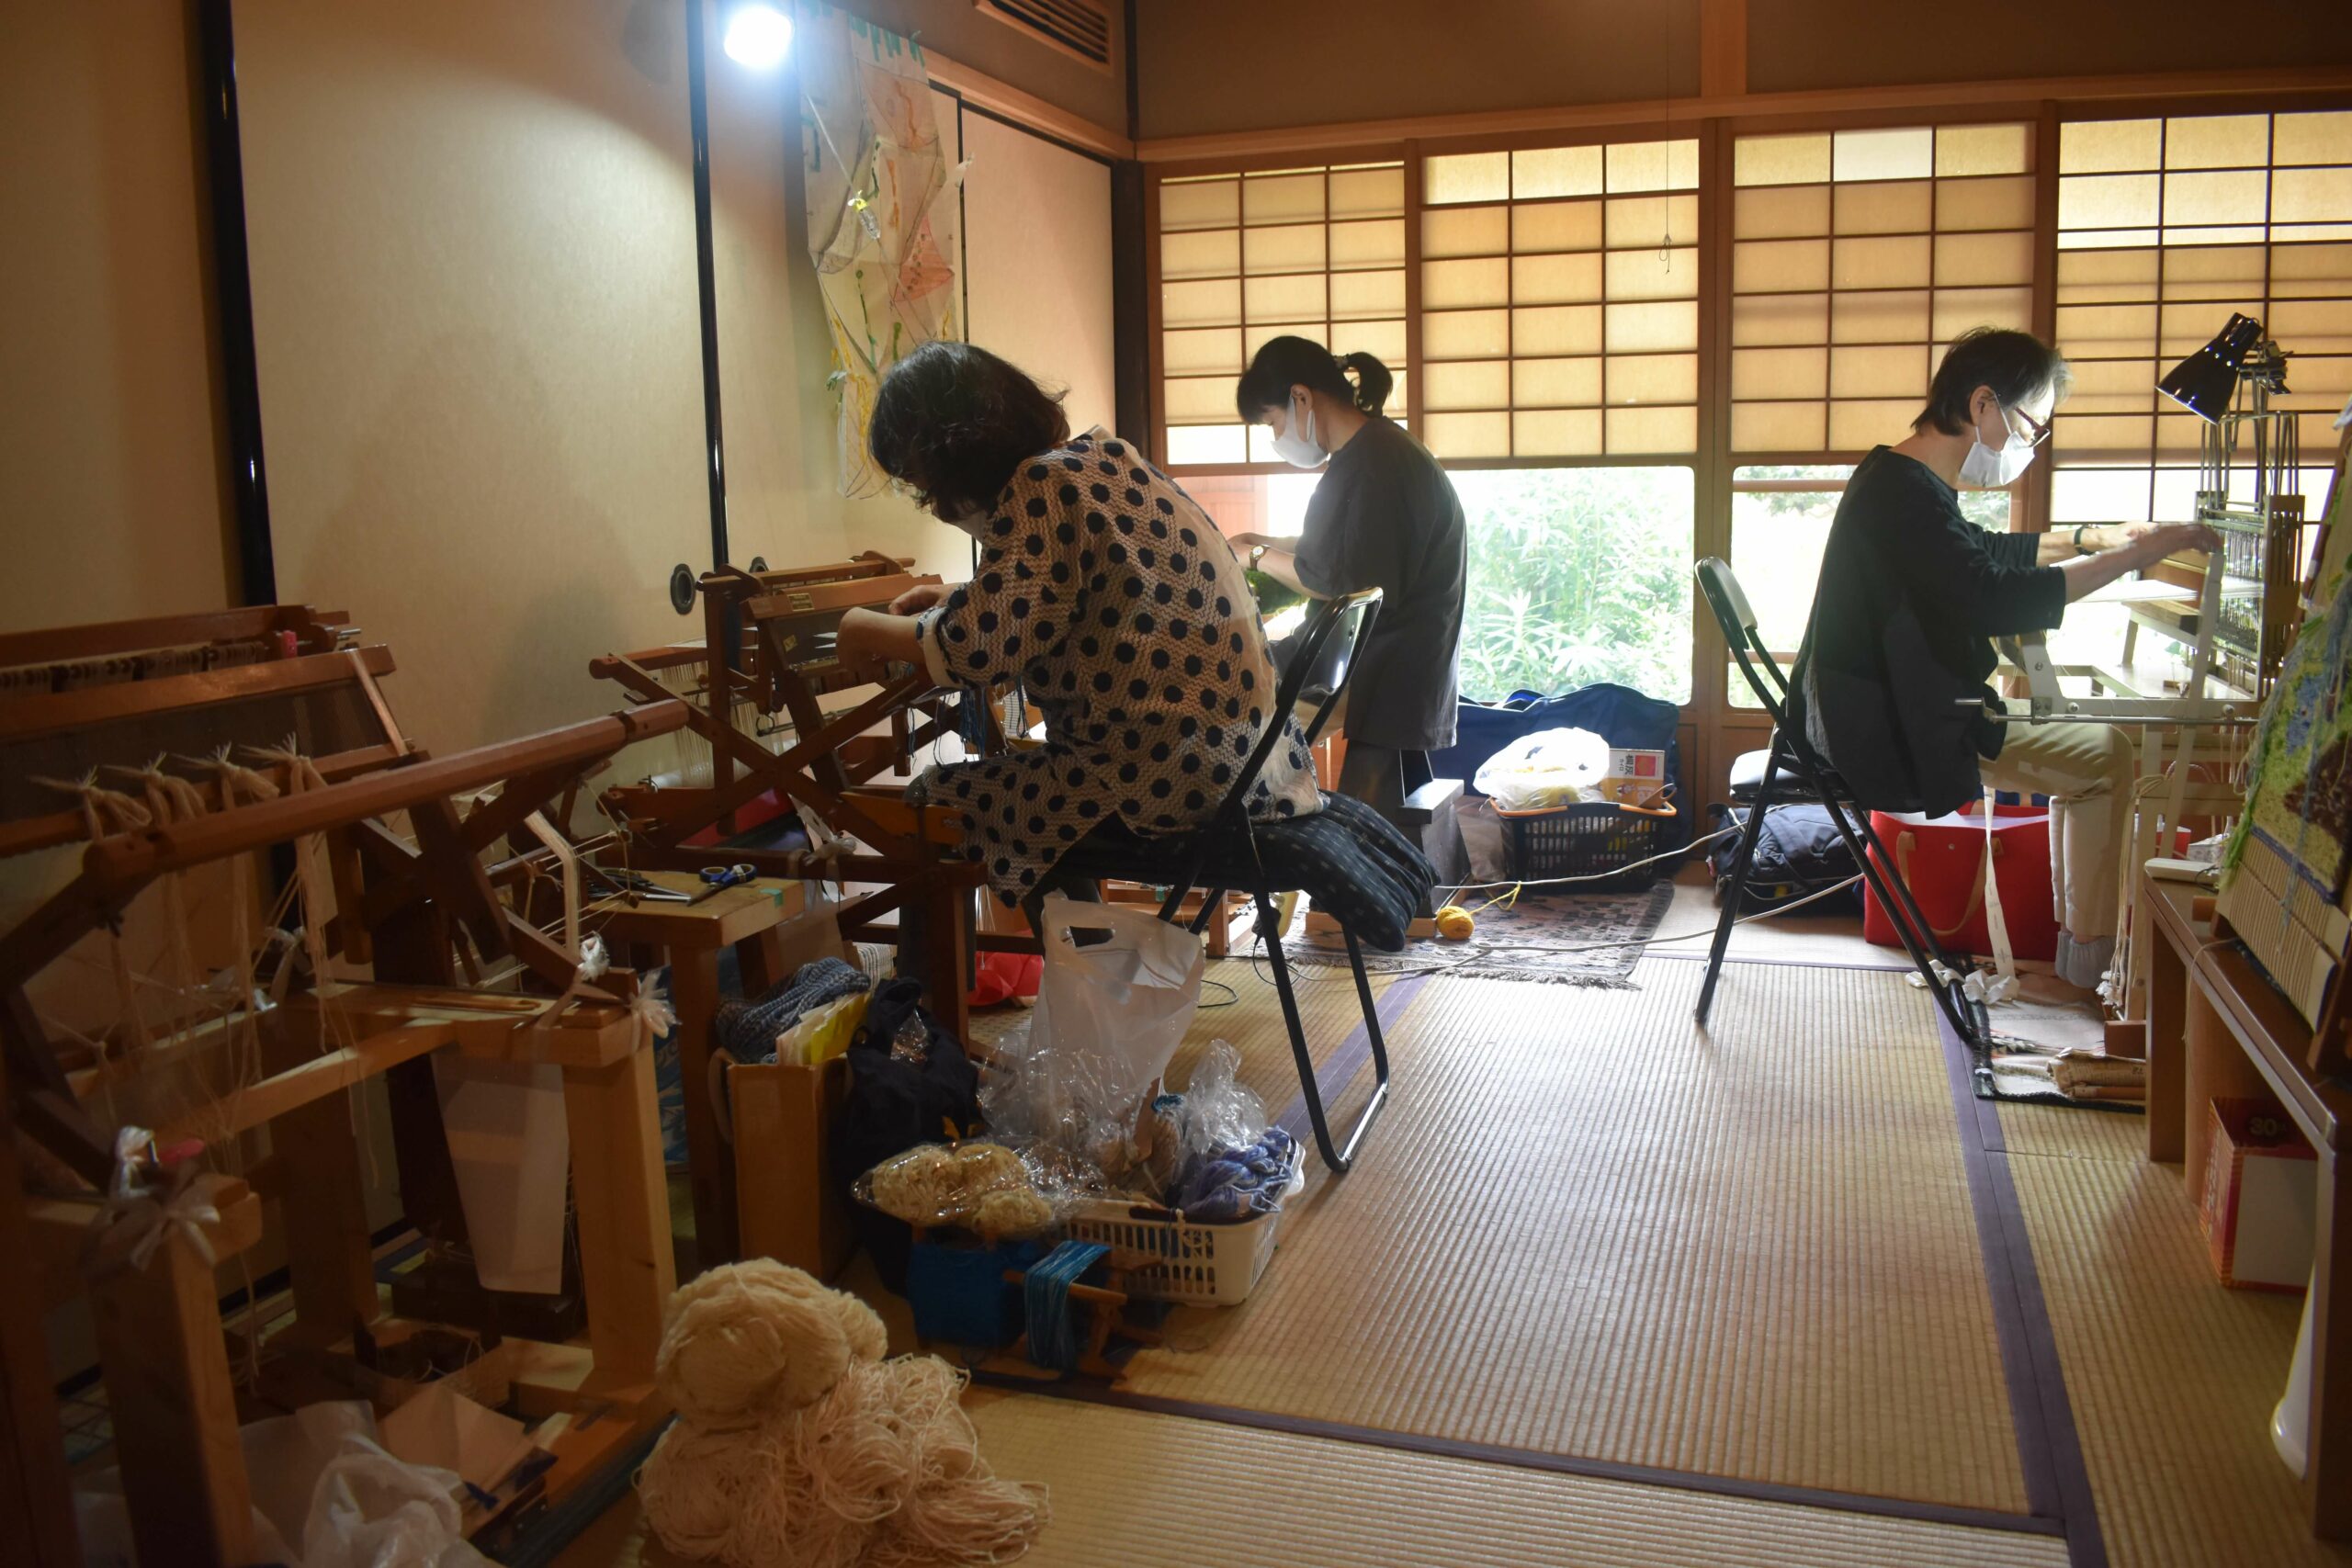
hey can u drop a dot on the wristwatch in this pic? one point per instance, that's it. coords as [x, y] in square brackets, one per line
[2078, 539]
[1257, 552]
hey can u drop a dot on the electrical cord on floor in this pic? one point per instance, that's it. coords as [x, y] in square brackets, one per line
[1468, 959]
[1518, 885]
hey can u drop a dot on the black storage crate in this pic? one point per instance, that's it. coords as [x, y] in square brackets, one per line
[1594, 839]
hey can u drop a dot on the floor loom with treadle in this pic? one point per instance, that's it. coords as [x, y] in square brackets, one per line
[138, 754]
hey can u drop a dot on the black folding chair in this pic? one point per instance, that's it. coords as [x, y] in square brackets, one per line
[1233, 852]
[1788, 763]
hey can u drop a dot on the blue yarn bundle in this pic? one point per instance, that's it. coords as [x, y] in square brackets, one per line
[1053, 1328]
[1237, 1184]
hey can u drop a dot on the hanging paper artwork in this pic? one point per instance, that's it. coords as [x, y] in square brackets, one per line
[882, 211]
[2299, 774]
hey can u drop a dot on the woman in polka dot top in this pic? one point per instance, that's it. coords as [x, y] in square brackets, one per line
[1103, 591]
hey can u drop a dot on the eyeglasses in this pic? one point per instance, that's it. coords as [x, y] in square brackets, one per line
[2034, 428]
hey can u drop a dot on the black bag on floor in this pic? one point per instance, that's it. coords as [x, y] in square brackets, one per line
[922, 1089]
[1798, 852]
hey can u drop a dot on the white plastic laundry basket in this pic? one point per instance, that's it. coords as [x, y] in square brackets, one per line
[1197, 1265]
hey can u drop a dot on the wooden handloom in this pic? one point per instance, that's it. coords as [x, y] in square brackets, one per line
[778, 625]
[2237, 610]
[421, 914]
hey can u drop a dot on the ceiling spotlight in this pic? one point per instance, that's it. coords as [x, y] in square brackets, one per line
[758, 35]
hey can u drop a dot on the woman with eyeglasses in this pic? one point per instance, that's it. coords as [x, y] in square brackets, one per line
[1910, 597]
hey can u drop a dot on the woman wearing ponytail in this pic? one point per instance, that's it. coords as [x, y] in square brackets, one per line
[1383, 516]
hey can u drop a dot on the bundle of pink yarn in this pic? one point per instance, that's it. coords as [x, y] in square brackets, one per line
[796, 1443]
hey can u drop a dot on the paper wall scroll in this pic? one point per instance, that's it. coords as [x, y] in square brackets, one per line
[882, 211]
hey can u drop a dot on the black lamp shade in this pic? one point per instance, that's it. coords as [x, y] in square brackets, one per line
[2205, 382]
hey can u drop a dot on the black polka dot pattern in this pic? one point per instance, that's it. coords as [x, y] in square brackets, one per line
[1125, 735]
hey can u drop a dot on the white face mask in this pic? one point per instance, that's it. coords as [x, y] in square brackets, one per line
[1299, 451]
[1990, 470]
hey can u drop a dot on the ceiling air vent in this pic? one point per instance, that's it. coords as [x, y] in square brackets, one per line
[1081, 28]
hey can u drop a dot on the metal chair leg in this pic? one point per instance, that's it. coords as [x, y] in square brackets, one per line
[1750, 834]
[1372, 1033]
[1968, 1019]
[1905, 905]
[1336, 1157]
[1910, 925]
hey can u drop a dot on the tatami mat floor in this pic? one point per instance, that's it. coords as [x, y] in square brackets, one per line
[1156, 1491]
[1607, 1290]
[1820, 933]
[2172, 1377]
[1313, 1500]
[1527, 1257]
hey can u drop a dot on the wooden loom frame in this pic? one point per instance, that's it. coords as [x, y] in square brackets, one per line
[825, 770]
[415, 908]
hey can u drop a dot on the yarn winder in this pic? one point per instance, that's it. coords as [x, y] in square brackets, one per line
[275, 736]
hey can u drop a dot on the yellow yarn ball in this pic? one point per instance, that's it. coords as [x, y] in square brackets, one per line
[1454, 924]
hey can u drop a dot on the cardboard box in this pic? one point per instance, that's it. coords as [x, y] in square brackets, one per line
[782, 1118]
[1627, 763]
[1635, 778]
[2261, 1197]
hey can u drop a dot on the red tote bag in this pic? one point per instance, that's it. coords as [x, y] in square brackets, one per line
[1942, 859]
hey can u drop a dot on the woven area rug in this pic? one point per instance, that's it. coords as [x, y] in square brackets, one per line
[1566, 938]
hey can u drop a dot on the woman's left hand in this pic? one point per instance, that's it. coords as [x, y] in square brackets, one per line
[867, 641]
[919, 598]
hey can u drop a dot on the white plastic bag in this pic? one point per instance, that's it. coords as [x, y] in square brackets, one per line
[320, 1481]
[1549, 767]
[1109, 1014]
[372, 1511]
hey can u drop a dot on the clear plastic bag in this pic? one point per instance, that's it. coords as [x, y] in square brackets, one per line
[321, 1482]
[1209, 1151]
[982, 1187]
[1219, 1112]
[1240, 1183]
[1550, 768]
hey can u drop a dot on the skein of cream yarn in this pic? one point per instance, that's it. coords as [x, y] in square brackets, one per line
[796, 1444]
